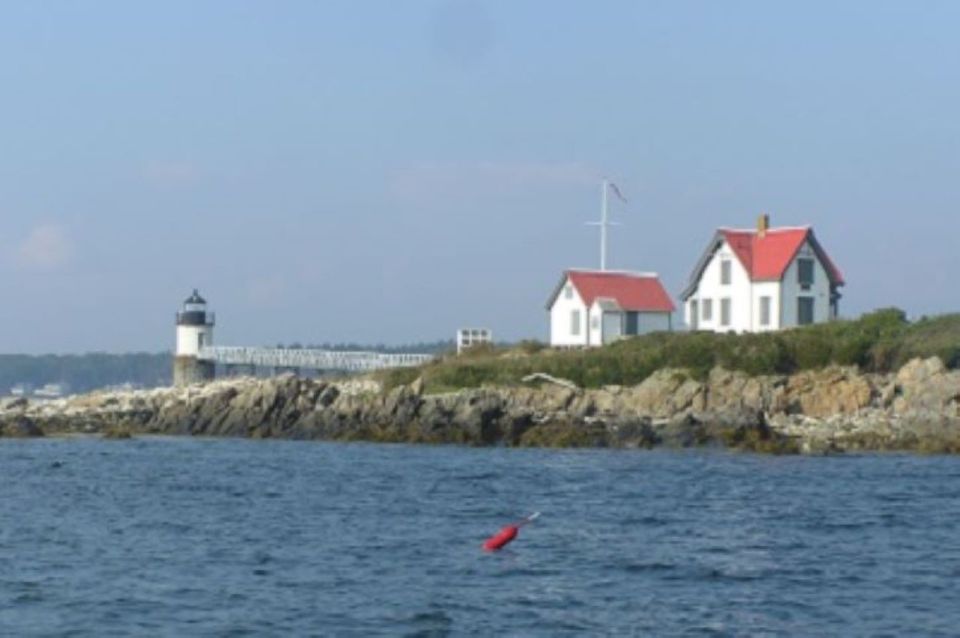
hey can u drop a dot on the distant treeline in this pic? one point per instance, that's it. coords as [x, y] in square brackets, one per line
[84, 372]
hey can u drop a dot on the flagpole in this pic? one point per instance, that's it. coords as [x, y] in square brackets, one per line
[603, 224]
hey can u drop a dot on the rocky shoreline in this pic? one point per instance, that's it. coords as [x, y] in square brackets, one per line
[830, 410]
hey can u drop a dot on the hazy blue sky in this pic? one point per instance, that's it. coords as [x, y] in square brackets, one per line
[389, 171]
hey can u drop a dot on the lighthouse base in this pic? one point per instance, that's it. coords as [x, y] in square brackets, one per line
[190, 370]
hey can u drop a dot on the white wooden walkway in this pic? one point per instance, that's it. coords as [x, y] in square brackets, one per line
[308, 359]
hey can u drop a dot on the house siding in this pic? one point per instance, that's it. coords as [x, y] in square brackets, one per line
[596, 325]
[738, 291]
[820, 290]
[647, 322]
[560, 334]
[653, 322]
[612, 323]
[769, 289]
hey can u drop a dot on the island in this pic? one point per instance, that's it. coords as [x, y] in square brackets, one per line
[878, 383]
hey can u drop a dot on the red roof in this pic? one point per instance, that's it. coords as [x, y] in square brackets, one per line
[767, 257]
[631, 291]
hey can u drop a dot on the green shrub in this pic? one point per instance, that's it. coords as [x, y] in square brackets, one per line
[531, 346]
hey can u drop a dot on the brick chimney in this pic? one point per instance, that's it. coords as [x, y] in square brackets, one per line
[763, 224]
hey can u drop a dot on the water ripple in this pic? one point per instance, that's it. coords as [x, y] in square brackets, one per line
[179, 536]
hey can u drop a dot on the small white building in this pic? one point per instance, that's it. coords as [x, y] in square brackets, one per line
[469, 337]
[760, 280]
[595, 307]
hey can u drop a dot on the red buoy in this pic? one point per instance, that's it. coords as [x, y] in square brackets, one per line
[499, 540]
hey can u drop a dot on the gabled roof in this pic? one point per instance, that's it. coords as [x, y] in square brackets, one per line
[640, 292]
[607, 304]
[765, 257]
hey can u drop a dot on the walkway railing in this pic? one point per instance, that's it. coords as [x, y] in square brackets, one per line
[306, 358]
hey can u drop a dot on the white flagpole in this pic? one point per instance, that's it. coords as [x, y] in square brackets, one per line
[604, 222]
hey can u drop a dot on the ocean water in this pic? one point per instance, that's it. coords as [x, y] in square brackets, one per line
[200, 537]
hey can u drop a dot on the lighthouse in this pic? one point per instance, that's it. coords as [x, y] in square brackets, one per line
[194, 332]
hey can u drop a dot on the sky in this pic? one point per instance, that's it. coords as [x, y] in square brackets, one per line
[387, 172]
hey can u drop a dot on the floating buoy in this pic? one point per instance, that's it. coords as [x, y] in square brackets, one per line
[499, 540]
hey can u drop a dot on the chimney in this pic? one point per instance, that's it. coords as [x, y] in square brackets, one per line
[763, 224]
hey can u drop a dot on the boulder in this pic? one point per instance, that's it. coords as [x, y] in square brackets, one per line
[926, 390]
[827, 392]
[664, 394]
[20, 427]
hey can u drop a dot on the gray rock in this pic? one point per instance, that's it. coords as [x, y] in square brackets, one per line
[20, 427]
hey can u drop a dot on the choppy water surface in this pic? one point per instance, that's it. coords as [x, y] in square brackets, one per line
[178, 536]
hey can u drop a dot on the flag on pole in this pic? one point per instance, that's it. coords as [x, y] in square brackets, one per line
[616, 191]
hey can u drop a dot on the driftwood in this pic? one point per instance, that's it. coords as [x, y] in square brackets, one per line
[543, 376]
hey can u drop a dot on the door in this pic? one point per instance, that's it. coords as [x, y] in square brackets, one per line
[612, 326]
[804, 311]
[632, 323]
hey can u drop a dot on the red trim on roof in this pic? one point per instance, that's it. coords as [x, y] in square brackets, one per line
[767, 257]
[633, 292]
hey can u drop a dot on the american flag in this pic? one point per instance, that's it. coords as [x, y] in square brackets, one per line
[616, 191]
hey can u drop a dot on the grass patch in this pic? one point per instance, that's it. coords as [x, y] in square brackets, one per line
[880, 341]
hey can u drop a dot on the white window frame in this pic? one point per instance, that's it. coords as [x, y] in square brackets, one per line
[575, 322]
[766, 306]
[726, 312]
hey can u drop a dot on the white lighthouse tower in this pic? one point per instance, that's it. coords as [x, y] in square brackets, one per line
[194, 332]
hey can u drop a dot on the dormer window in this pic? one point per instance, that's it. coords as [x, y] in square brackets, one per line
[725, 272]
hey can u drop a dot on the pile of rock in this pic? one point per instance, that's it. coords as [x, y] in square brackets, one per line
[830, 409]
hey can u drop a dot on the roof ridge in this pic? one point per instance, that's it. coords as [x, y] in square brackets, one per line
[774, 229]
[592, 271]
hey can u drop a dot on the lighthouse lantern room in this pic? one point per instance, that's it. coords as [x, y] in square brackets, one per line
[194, 332]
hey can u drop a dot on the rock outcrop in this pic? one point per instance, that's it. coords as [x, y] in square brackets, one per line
[827, 410]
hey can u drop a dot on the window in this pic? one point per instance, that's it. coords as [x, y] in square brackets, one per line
[632, 323]
[724, 312]
[595, 323]
[694, 314]
[725, 272]
[804, 310]
[568, 292]
[764, 311]
[575, 322]
[805, 272]
[707, 309]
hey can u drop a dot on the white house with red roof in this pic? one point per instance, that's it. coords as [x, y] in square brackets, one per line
[760, 280]
[594, 307]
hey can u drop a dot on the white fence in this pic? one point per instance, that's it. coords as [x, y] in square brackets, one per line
[309, 359]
